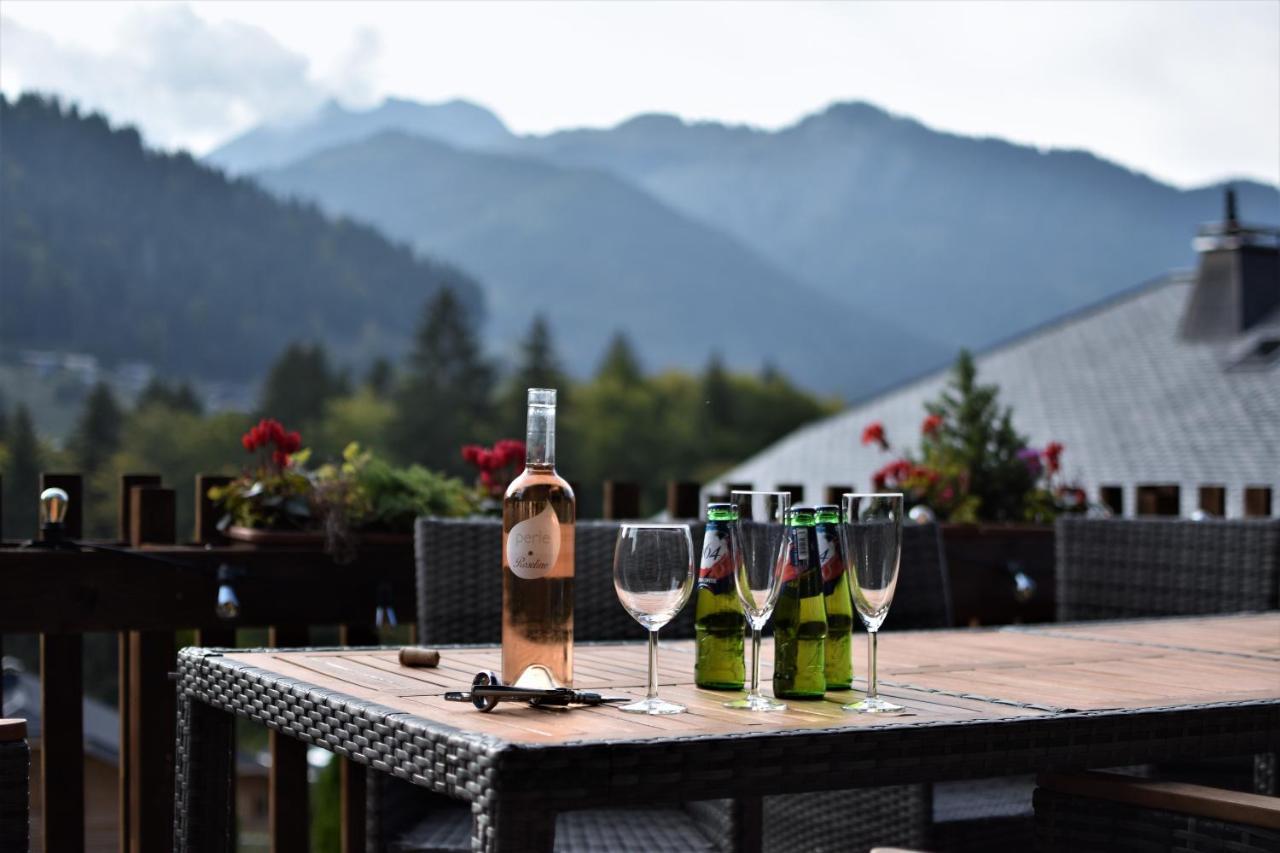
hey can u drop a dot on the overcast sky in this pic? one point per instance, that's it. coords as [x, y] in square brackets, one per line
[1187, 92]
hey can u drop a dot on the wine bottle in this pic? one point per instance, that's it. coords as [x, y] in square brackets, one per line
[538, 513]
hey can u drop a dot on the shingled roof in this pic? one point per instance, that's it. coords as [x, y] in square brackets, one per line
[1132, 400]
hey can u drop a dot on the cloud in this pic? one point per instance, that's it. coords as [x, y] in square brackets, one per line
[186, 81]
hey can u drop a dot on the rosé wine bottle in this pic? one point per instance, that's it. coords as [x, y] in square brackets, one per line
[537, 560]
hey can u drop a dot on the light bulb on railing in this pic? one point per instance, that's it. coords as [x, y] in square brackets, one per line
[53, 506]
[384, 614]
[228, 606]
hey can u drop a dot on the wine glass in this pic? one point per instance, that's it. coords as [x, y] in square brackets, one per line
[653, 574]
[760, 538]
[872, 530]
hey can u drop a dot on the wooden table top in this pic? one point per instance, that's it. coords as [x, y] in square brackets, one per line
[939, 676]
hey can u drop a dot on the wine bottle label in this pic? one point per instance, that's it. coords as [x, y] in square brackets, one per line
[716, 570]
[830, 557]
[796, 555]
[534, 544]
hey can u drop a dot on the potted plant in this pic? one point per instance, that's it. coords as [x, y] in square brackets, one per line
[272, 501]
[495, 468]
[995, 495]
[278, 500]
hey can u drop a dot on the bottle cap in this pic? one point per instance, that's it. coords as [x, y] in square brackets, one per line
[542, 397]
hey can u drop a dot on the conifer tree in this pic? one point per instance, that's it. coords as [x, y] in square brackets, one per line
[97, 433]
[620, 362]
[539, 367]
[444, 400]
[977, 429]
[178, 398]
[22, 476]
[299, 384]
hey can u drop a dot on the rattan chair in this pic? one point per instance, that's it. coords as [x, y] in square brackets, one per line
[1110, 813]
[1126, 568]
[15, 775]
[1134, 568]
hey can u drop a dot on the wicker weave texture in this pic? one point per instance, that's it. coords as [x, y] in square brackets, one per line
[1122, 568]
[1067, 823]
[459, 583]
[15, 779]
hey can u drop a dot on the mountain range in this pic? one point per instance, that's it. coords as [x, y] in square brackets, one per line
[897, 243]
[112, 249]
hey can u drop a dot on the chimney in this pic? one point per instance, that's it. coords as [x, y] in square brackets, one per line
[1238, 279]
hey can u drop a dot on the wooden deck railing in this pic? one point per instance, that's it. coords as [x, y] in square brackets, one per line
[149, 587]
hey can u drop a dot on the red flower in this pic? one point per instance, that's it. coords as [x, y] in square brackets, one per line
[931, 424]
[1052, 456]
[948, 493]
[280, 458]
[874, 433]
[292, 442]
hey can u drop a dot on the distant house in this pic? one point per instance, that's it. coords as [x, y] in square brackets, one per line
[1167, 397]
[102, 774]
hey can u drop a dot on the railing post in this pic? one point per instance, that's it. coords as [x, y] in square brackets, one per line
[62, 742]
[290, 824]
[62, 708]
[621, 500]
[206, 532]
[836, 493]
[152, 701]
[352, 776]
[127, 483]
[684, 500]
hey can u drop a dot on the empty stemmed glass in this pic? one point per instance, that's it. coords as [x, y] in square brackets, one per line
[872, 531]
[653, 574]
[760, 535]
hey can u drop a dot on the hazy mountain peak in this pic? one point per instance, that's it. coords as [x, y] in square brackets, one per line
[455, 122]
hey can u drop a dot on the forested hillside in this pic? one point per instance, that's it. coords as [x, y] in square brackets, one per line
[130, 254]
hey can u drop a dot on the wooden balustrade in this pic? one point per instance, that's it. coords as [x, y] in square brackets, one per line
[146, 588]
[63, 594]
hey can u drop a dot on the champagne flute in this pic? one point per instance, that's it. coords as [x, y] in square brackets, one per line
[759, 539]
[872, 530]
[653, 575]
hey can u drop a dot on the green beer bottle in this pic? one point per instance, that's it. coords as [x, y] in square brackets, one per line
[835, 592]
[800, 617]
[718, 616]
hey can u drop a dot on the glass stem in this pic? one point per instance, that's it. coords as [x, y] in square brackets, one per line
[871, 665]
[653, 665]
[755, 661]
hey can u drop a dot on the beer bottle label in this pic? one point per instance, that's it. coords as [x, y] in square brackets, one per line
[797, 555]
[830, 557]
[715, 572]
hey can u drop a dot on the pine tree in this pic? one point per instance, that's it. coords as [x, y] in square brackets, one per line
[539, 367]
[620, 362]
[178, 398]
[978, 431]
[97, 433]
[299, 384]
[22, 476]
[380, 377]
[443, 402]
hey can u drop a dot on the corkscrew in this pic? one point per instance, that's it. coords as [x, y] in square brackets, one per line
[487, 690]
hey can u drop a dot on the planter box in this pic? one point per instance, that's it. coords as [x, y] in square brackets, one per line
[308, 538]
[980, 560]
